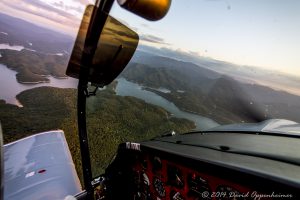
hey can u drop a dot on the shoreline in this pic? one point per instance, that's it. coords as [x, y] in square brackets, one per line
[46, 81]
[32, 83]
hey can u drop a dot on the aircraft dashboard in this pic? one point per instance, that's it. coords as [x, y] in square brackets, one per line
[159, 178]
[155, 170]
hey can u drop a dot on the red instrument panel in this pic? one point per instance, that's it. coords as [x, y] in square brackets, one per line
[163, 179]
[145, 173]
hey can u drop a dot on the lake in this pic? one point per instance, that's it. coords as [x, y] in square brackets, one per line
[127, 88]
[9, 88]
[13, 47]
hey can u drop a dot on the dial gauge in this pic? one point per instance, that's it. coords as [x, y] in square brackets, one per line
[159, 187]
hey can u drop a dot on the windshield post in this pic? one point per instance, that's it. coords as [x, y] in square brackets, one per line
[84, 146]
[94, 30]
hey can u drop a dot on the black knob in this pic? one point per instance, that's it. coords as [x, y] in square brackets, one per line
[157, 165]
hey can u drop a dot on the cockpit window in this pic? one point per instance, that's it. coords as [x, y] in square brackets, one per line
[207, 63]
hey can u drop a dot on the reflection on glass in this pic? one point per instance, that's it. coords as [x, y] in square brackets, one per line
[115, 47]
[151, 10]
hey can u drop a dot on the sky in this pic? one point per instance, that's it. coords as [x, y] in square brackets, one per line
[261, 33]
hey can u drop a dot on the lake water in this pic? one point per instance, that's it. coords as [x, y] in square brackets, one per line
[9, 88]
[127, 88]
[14, 47]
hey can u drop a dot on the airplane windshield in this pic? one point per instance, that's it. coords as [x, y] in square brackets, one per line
[207, 63]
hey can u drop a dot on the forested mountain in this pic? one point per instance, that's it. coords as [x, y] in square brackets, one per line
[208, 93]
[34, 67]
[112, 119]
[24, 33]
[45, 52]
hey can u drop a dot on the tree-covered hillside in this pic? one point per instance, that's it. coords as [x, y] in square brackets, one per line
[207, 93]
[34, 67]
[112, 119]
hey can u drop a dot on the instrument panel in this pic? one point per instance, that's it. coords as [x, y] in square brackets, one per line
[159, 178]
[152, 174]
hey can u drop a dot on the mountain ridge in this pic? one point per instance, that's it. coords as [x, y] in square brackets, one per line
[220, 97]
[32, 36]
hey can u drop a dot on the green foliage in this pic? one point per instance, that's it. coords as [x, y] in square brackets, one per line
[191, 91]
[32, 66]
[118, 119]
[207, 93]
[111, 119]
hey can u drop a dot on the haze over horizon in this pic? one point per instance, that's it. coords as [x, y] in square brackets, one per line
[263, 34]
[191, 80]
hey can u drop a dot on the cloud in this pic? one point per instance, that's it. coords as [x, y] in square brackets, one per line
[56, 12]
[85, 2]
[73, 8]
[48, 7]
[59, 4]
[152, 39]
[145, 25]
[78, 9]
[194, 53]
[179, 54]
